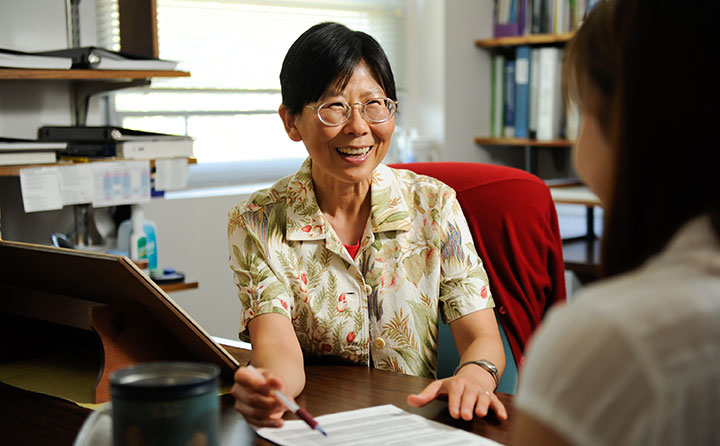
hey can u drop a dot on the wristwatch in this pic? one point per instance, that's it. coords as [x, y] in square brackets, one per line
[485, 364]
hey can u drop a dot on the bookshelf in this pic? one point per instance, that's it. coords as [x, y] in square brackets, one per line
[530, 146]
[582, 253]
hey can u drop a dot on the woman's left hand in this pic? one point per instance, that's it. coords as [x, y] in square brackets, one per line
[470, 391]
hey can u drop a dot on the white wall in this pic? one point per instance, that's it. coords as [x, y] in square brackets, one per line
[192, 238]
[467, 78]
[448, 79]
[40, 25]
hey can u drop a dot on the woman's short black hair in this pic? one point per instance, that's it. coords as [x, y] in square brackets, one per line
[327, 54]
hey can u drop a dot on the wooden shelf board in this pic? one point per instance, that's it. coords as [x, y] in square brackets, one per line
[522, 142]
[13, 73]
[533, 39]
[178, 286]
[13, 171]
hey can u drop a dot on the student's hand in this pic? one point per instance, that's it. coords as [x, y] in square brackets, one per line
[470, 391]
[254, 398]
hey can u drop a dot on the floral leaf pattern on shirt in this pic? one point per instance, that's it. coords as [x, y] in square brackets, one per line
[416, 262]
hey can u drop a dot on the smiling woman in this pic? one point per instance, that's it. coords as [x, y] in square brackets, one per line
[351, 259]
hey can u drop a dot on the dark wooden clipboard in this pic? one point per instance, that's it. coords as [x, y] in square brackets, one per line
[45, 282]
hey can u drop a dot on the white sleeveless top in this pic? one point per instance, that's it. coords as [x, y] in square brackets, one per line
[635, 360]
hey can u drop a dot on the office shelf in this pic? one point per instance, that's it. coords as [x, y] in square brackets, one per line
[523, 142]
[533, 39]
[119, 75]
[13, 171]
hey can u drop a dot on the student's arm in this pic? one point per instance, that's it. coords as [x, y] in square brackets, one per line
[277, 354]
[529, 431]
[472, 390]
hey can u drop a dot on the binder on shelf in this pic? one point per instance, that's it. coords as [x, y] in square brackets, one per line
[534, 90]
[522, 90]
[24, 145]
[509, 100]
[550, 113]
[546, 16]
[496, 112]
[19, 59]
[535, 17]
[33, 157]
[132, 149]
[99, 133]
[91, 57]
[109, 141]
[14, 151]
[509, 17]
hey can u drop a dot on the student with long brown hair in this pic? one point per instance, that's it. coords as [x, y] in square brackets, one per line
[635, 358]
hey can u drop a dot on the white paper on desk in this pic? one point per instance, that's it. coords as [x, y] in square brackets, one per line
[171, 174]
[76, 184]
[40, 188]
[386, 425]
[121, 182]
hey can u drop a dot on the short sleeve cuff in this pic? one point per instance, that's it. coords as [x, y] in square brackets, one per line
[464, 297]
[279, 305]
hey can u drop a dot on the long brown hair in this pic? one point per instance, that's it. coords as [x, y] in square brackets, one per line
[663, 122]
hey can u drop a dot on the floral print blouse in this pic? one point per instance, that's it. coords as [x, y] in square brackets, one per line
[416, 260]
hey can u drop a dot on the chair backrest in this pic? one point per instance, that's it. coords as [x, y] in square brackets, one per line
[514, 225]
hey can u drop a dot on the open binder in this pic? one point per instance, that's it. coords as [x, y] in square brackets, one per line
[102, 293]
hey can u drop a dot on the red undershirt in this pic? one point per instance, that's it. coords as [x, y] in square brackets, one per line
[352, 250]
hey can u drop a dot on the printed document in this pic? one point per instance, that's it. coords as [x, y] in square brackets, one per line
[386, 425]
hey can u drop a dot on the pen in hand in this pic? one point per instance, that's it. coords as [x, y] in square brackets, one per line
[291, 405]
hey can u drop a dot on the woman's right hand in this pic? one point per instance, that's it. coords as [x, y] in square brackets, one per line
[254, 397]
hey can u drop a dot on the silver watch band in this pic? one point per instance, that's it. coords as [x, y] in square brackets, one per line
[485, 364]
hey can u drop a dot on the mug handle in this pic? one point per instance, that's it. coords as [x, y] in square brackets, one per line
[83, 437]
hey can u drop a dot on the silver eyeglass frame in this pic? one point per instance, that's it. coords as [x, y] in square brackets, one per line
[389, 103]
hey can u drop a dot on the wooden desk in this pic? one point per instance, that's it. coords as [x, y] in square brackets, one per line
[28, 418]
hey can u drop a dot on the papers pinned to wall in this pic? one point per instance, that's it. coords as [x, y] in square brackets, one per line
[40, 189]
[102, 184]
[171, 174]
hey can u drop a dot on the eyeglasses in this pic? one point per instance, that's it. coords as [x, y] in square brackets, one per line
[374, 111]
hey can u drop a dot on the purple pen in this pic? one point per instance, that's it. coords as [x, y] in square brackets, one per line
[292, 405]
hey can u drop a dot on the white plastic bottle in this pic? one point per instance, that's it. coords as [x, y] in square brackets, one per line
[138, 241]
[150, 229]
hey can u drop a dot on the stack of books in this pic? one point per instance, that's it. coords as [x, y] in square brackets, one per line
[523, 17]
[527, 96]
[15, 151]
[18, 59]
[116, 142]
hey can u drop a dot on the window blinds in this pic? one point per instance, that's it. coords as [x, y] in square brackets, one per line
[239, 45]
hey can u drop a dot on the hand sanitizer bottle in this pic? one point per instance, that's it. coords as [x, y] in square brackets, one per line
[138, 240]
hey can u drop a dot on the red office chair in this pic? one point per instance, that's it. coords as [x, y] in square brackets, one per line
[514, 225]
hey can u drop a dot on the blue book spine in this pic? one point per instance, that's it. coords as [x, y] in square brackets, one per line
[522, 91]
[509, 103]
